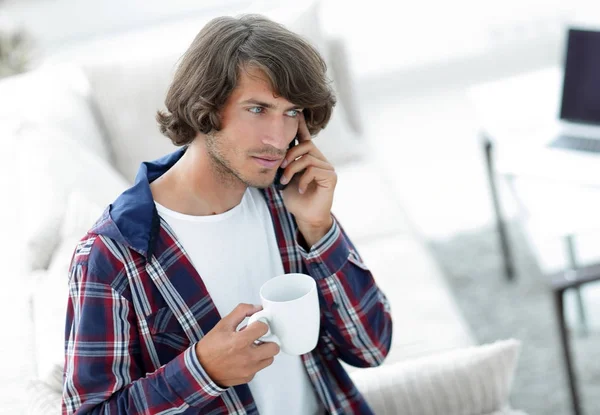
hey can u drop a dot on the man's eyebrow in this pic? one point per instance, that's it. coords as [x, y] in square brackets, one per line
[267, 105]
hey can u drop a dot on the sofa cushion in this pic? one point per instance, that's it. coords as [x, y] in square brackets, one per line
[19, 364]
[80, 214]
[51, 291]
[51, 165]
[426, 317]
[49, 303]
[9, 208]
[364, 206]
[128, 94]
[45, 393]
[56, 96]
[470, 381]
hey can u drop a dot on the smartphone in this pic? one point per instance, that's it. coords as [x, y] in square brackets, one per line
[279, 173]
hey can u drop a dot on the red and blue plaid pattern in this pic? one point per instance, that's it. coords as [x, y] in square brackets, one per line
[137, 307]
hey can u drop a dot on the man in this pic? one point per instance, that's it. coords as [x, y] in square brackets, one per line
[162, 282]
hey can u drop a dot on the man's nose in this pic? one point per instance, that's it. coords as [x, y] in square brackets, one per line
[275, 135]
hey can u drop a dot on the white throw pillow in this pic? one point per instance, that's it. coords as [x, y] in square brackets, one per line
[50, 166]
[471, 381]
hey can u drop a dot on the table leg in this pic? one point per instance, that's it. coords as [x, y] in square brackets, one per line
[507, 257]
[572, 257]
[564, 338]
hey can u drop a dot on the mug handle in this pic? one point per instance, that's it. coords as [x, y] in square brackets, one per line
[264, 316]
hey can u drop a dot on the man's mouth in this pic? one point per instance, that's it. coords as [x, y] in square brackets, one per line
[268, 161]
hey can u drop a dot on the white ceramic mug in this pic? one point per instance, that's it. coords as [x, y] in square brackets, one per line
[291, 310]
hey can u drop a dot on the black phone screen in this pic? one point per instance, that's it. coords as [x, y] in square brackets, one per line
[279, 173]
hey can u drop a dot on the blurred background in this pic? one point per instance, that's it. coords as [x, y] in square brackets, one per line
[423, 88]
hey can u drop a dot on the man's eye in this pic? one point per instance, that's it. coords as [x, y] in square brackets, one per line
[255, 110]
[293, 113]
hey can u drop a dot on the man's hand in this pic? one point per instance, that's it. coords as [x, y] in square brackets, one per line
[309, 196]
[230, 357]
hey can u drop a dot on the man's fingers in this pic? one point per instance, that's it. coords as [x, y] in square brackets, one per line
[254, 331]
[239, 313]
[320, 176]
[267, 350]
[303, 133]
[302, 149]
[264, 363]
[303, 163]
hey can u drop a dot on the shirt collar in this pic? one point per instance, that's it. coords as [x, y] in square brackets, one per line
[135, 221]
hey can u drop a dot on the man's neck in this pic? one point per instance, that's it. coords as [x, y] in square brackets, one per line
[195, 186]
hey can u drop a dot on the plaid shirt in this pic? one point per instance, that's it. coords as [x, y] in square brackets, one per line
[137, 307]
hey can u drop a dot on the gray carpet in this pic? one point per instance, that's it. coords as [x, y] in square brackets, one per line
[496, 309]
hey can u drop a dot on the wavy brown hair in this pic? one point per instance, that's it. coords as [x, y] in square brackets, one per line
[209, 70]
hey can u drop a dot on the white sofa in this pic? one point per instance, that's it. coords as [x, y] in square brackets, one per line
[73, 135]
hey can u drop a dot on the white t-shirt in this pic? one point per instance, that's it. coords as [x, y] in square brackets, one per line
[235, 253]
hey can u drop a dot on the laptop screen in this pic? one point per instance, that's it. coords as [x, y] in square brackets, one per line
[581, 85]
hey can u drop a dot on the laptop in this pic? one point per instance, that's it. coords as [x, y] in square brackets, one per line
[579, 123]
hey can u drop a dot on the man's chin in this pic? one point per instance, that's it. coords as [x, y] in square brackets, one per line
[261, 183]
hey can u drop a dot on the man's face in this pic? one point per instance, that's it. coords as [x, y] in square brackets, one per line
[256, 131]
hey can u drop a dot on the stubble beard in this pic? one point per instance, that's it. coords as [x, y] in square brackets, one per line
[223, 169]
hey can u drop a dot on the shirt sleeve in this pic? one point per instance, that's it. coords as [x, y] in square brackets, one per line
[103, 374]
[357, 313]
